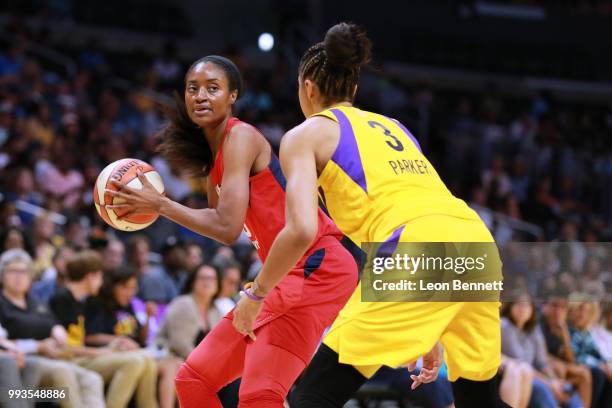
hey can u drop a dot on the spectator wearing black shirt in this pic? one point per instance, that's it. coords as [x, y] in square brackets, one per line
[110, 317]
[36, 333]
[111, 320]
[125, 372]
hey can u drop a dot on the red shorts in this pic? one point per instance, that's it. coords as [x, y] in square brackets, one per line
[289, 328]
[309, 298]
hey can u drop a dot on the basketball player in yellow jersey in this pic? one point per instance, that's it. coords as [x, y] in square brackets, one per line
[378, 187]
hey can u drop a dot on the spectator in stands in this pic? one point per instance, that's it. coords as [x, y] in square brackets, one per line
[192, 315]
[44, 240]
[24, 189]
[556, 333]
[11, 63]
[113, 254]
[517, 382]
[16, 372]
[111, 321]
[173, 263]
[581, 317]
[13, 238]
[230, 285]
[591, 279]
[167, 67]
[124, 372]
[194, 257]
[523, 340]
[59, 177]
[153, 283]
[602, 333]
[54, 277]
[36, 332]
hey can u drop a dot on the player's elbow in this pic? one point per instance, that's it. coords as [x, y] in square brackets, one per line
[304, 233]
[230, 235]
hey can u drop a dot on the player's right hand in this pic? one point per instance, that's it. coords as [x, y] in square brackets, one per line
[432, 362]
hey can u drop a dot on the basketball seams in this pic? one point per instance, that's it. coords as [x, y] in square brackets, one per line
[104, 182]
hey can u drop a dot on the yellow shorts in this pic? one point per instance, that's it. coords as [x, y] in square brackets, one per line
[370, 334]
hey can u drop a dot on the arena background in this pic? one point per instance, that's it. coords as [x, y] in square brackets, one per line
[510, 100]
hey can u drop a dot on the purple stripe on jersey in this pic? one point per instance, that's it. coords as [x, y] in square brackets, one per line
[347, 155]
[407, 132]
[388, 247]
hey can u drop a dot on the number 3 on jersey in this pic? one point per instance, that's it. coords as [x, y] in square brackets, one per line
[396, 144]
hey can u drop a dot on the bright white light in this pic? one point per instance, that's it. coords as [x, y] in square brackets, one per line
[266, 42]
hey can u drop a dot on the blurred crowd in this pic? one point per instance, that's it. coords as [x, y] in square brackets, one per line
[95, 310]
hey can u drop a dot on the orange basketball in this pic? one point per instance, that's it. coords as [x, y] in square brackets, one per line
[124, 171]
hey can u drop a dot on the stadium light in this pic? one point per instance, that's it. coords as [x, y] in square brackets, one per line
[266, 42]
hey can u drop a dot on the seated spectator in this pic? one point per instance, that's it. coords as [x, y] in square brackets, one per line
[111, 321]
[45, 288]
[522, 339]
[591, 280]
[557, 336]
[516, 382]
[173, 261]
[35, 332]
[154, 284]
[230, 285]
[12, 238]
[44, 241]
[602, 333]
[582, 316]
[113, 254]
[192, 315]
[16, 371]
[125, 372]
[194, 257]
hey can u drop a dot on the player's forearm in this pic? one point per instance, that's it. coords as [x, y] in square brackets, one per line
[204, 221]
[287, 249]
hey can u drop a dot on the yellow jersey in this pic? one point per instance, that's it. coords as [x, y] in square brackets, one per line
[378, 179]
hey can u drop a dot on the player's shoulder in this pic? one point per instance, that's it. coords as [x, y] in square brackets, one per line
[311, 131]
[244, 131]
[243, 137]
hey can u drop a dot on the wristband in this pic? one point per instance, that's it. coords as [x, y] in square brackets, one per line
[248, 292]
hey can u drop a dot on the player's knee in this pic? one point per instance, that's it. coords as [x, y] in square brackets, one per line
[264, 397]
[186, 379]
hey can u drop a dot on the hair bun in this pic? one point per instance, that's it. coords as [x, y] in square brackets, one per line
[347, 46]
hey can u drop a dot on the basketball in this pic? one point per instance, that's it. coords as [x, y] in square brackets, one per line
[124, 171]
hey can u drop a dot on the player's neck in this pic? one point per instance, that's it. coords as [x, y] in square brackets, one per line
[321, 107]
[214, 134]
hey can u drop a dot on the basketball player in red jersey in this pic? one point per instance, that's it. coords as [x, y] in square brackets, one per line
[246, 186]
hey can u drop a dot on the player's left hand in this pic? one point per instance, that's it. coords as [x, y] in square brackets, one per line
[245, 313]
[137, 201]
[432, 362]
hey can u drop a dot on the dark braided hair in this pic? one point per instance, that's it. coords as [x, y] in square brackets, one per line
[334, 63]
[183, 144]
